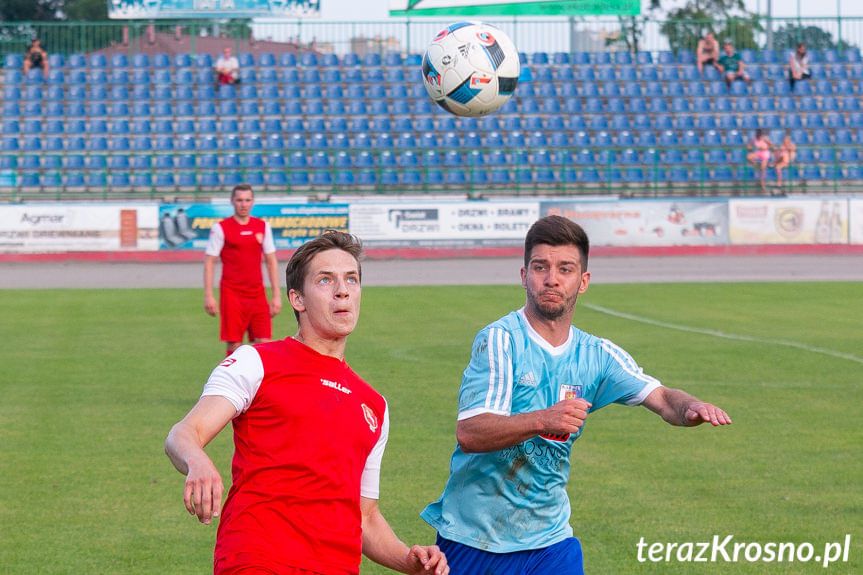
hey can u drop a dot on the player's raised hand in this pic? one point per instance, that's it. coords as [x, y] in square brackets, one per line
[700, 412]
[427, 560]
[566, 416]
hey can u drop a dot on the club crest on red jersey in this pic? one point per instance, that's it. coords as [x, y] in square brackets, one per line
[260, 238]
[371, 418]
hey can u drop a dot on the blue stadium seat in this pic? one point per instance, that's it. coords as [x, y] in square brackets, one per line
[849, 155]
[765, 104]
[11, 93]
[690, 138]
[843, 137]
[119, 126]
[822, 137]
[657, 106]
[834, 120]
[684, 122]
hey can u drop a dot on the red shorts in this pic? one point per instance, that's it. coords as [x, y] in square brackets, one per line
[241, 314]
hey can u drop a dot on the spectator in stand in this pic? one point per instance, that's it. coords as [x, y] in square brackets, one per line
[228, 68]
[798, 65]
[707, 52]
[759, 155]
[784, 156]
[36, 57]
[731, 65]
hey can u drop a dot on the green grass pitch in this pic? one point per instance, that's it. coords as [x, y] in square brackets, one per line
[93, 380]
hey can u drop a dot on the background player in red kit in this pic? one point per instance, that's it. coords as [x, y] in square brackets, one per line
[309, 436]
[239, 241]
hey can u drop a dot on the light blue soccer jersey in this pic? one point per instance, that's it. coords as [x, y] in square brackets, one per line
[515, 499]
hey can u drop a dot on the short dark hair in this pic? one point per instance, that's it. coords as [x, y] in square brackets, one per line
[557, 231]
[298, 265]
[241, 188]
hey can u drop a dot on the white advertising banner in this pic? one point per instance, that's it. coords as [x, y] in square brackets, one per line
[442, 223]
[79, 227]
[855, 220]
[647, 222]
[788, 221]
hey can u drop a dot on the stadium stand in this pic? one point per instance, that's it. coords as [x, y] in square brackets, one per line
[321, 122]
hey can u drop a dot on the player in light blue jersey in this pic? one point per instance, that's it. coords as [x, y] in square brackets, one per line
[531, 381]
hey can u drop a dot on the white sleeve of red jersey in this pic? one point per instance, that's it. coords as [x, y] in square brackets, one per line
[216, 241]
[371, 479]
[269, 245]
[237, 378]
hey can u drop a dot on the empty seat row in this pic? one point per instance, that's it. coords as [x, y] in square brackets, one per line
[205, 60]
[187, 76]
[414, 158]
[389, 177]
[216, 139]
[312, 59]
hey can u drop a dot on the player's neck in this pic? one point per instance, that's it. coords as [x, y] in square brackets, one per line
[554, 331]
[242, 220]
[331, 347]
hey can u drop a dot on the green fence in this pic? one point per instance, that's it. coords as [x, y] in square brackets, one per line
[403, 35]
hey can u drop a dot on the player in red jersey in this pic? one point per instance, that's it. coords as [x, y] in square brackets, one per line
[239, 241]
[309, 435]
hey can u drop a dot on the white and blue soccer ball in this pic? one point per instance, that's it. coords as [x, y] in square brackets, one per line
[470, 68]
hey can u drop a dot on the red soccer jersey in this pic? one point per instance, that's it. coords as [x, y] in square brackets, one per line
[300, 452]
[241, 255]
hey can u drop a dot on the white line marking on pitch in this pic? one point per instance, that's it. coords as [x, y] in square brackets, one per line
[722, 334]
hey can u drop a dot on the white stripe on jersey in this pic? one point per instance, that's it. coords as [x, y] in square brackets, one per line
[499, 373]
[628, 364]
[507, 400]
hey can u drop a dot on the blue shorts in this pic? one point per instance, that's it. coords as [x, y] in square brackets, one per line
[562, 558]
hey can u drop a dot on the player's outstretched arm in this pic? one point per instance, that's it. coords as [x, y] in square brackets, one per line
[184, 446]
[381, 545]
[490, 432]
[679, 408]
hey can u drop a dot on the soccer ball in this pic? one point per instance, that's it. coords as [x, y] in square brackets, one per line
[470, 68]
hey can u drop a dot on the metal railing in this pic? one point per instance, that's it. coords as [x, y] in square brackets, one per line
[404, 35]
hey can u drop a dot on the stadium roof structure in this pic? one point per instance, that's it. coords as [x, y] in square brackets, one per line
[440, 8]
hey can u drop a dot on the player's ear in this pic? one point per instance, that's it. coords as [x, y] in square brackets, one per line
[585, 281]
[524, 278]
[296, 299]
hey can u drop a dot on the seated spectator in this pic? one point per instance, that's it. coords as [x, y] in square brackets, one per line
[36, 57]
[760, 154]
[798, 65]
[707, 52]
[784, 156]
[228, 68]
[731, 65]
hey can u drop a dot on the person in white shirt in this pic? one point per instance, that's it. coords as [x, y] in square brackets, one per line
[228, 68]
[798, 65]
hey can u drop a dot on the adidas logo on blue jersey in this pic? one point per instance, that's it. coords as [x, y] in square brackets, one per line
[527, 379]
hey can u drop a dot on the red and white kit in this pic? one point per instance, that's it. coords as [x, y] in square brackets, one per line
[309, 436]
[243, 299]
